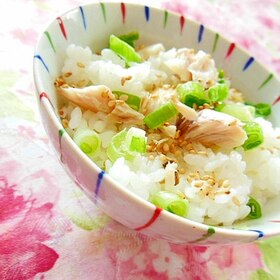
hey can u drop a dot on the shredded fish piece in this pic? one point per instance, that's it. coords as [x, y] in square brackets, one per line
[161, 96]
[99, 98]
[213, 129]
[94, 98]
[203, 69]
[179, 64]
[122, 113]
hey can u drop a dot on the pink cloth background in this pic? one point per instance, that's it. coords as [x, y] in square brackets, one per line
[48, 228]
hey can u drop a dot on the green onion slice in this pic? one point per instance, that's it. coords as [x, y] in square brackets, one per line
[158, 117]
[171, 202]
[138, 144]
[262, 109]
[192, 93]
[130, 38]
[178, 207]
[218, 92]
[254, 134]
[221, 73]
[127, 144]
[240, 111]
[133, 101]
[124, 50]
[115, 151]
[88, 141]
[256, 210]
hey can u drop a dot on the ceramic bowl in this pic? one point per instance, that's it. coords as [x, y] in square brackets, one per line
[91, 25]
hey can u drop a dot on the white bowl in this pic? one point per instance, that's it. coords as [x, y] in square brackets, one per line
[91, 25]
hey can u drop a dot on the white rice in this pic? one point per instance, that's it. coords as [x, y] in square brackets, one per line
[217, 184]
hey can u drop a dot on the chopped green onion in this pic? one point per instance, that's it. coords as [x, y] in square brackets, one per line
[130, 38]
[124, 50]
[219, 106]
[138, 144]
[192, 93]
[221, 73]
[221, 76]
[115, 151]
[254, 134]
[178, 207]
[127, 144]
[261, 109]
[161, 115]
[171, 202]
[218, 92]
[133, 101]
[88, 141]
[240, 111]
[256, 210]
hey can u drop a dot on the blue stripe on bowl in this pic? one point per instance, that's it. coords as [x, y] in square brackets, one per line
[37, 56]
[248, 63]
[200, 33]
[83, 17]
[98, 183]
[147, 13]
[261, 234]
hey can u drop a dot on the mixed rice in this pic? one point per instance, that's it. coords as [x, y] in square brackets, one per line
[167, 125]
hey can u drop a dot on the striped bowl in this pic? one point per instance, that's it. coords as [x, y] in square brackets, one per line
[91, 25]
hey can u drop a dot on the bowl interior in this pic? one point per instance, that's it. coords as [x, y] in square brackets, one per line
[91, 25]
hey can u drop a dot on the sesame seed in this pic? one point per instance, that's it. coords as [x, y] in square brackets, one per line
[119, 102]
[189, 146]
[189, 179]
[123, 97]
[177, 178]
[181, 170]
[197, 175]
[206, 106]
[206, 177]
[81, 65]
[178, 133]
[104, 94]
[61, 112]
[178, 153]
[111, 103]
[172, 148]
[165, 147]
[65, 123]
[181, 195]
[124, 79]
[236, 201]
[149, 148]
[67, 74]
[198, 184]
[211, 182]
[226, 183]
[81, 83]
[220, 183]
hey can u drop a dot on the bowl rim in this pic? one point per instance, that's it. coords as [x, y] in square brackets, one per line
[184, 222]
